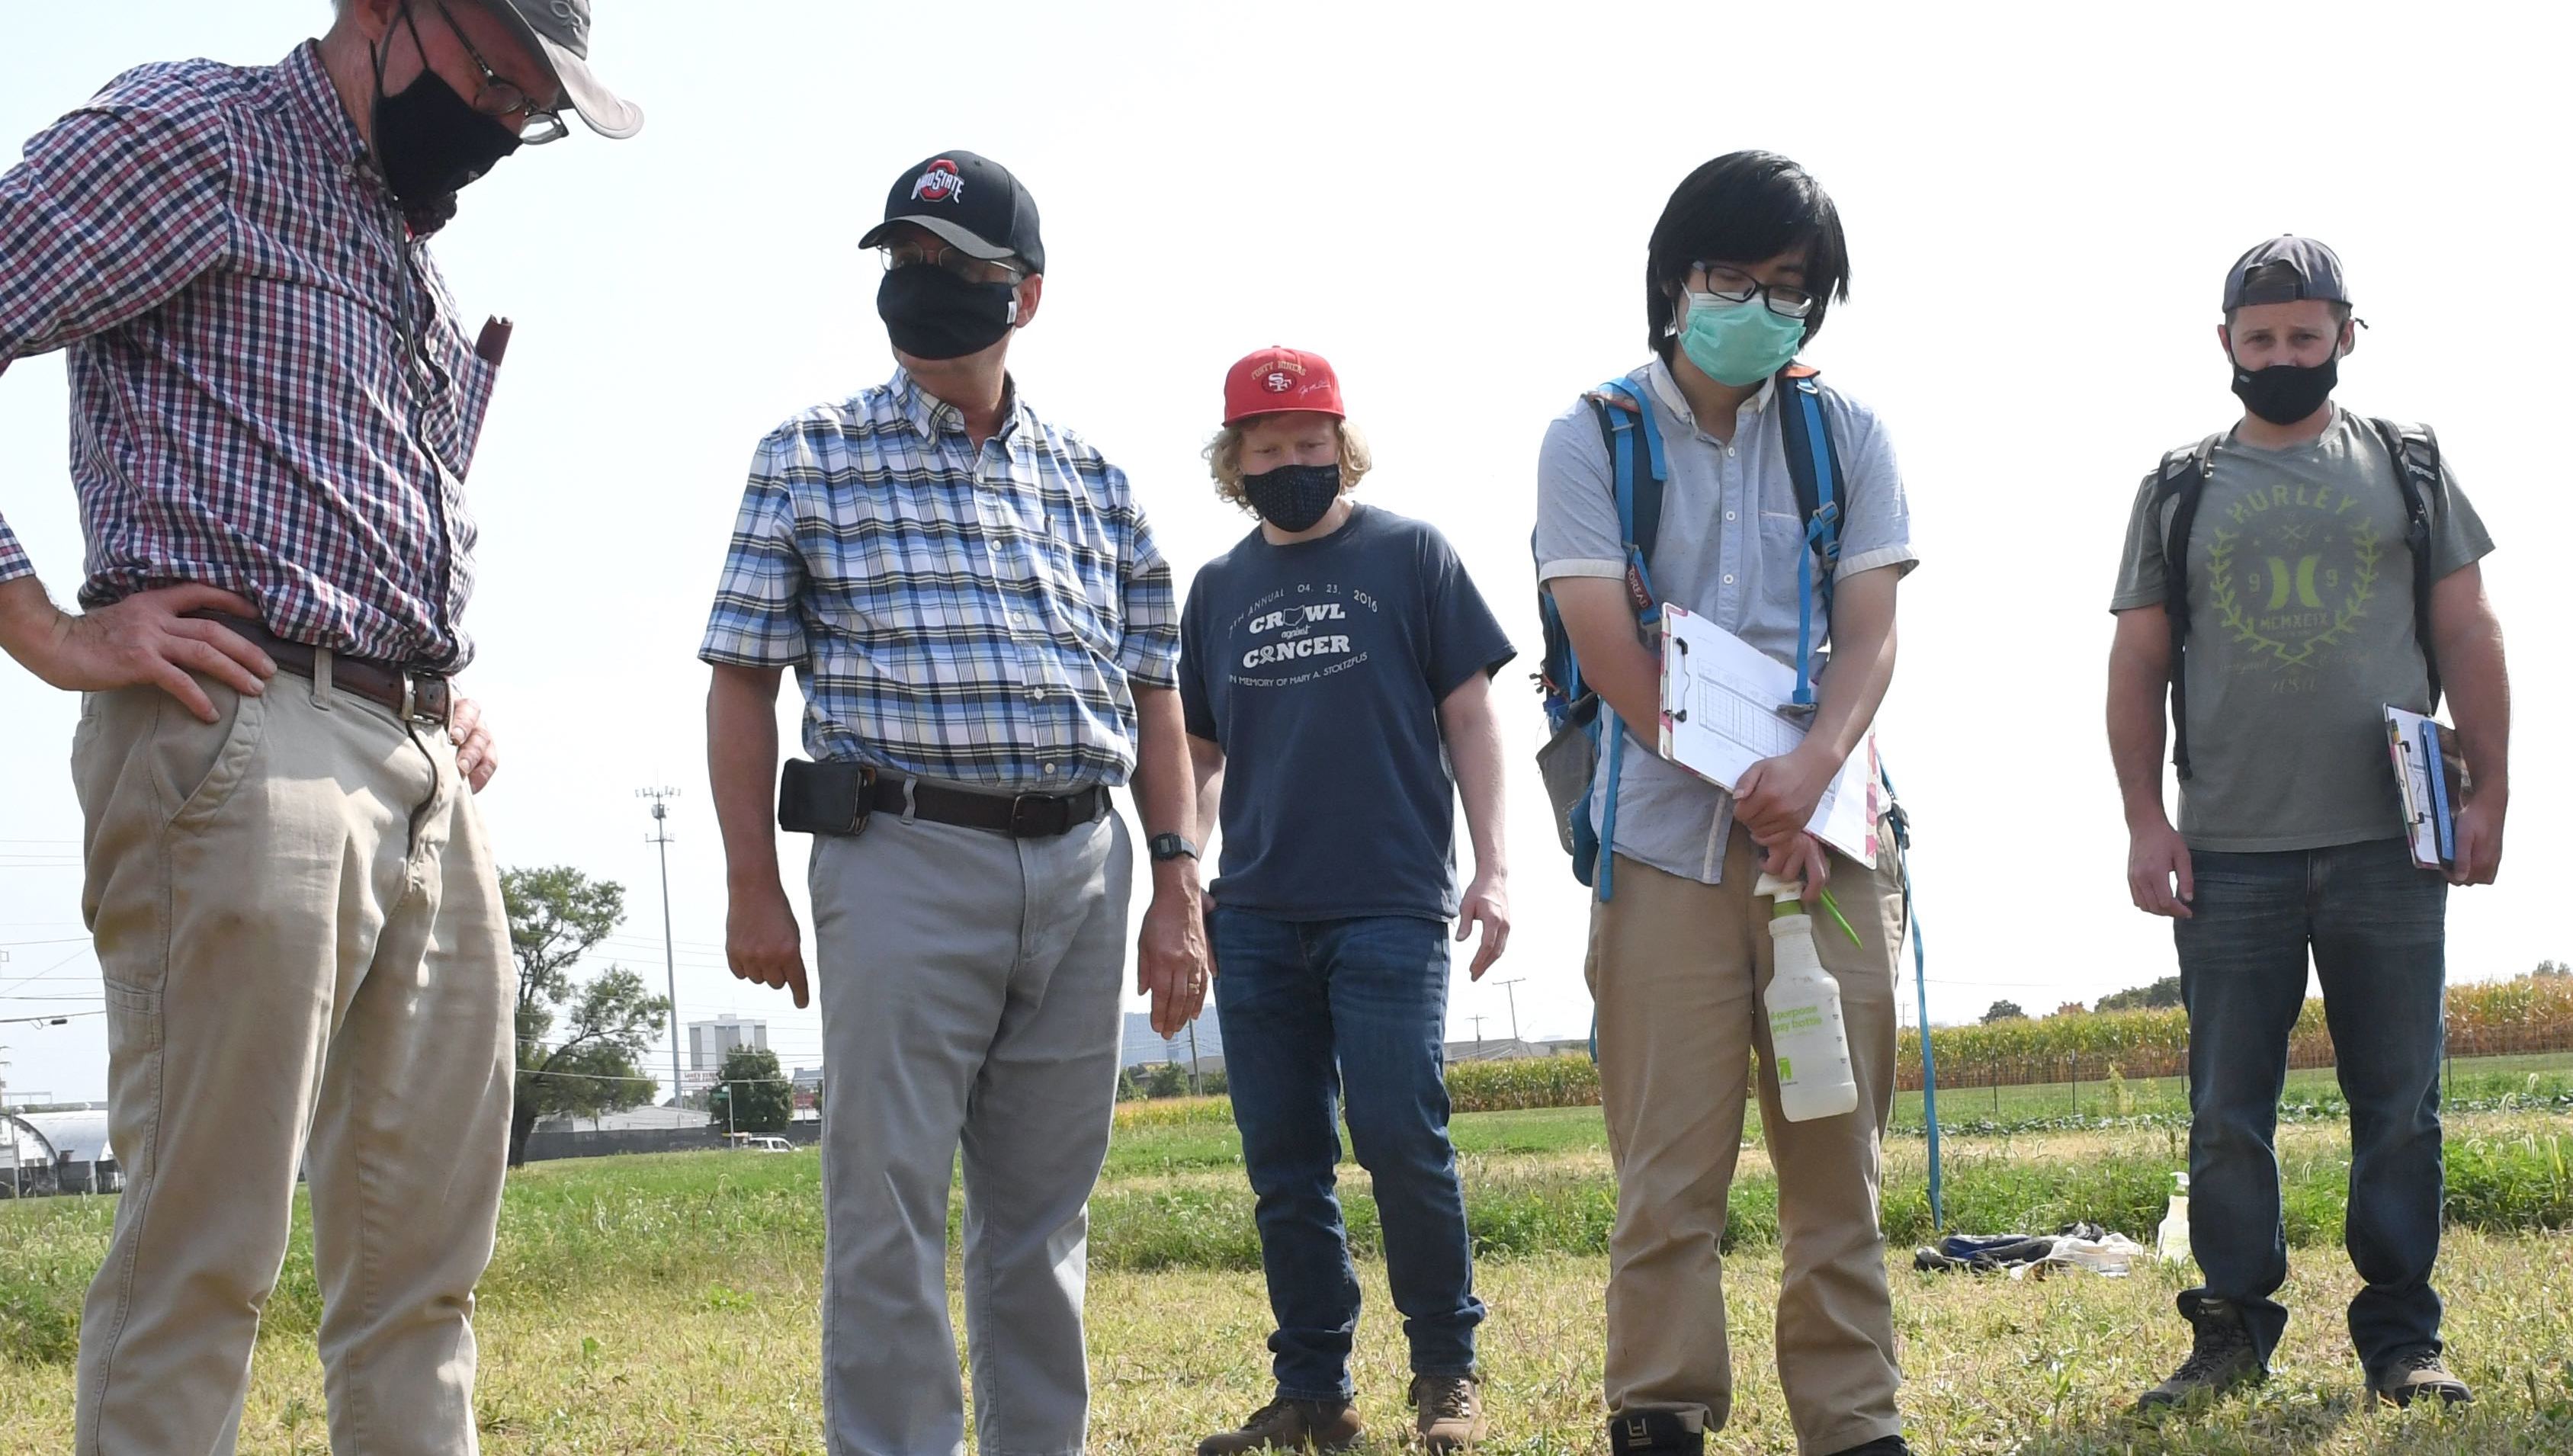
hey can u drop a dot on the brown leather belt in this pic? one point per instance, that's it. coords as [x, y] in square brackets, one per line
[414, 697]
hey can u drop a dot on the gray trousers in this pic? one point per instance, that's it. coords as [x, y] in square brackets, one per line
[971, 988]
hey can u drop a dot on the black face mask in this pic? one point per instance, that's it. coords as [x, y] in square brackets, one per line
[2286, 394]
[1293, 497]
[930, 313]
[433, 144]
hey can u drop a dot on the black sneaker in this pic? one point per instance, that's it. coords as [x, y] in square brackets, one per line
[2419, 1373]
[2221, 1358]
[1881, 1446]
[1653, 1433]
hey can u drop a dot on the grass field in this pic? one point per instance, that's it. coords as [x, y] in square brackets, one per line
[668, 1304]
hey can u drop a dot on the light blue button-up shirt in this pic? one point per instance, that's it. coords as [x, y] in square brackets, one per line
[1731, 530]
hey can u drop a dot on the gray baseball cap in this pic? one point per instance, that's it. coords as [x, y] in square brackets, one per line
[559, 30]
[2316, 268]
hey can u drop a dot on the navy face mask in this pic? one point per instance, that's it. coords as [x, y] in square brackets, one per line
[432, 143]
[930, 313]
[1293, 497]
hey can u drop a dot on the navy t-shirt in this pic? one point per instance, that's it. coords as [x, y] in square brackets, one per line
[1319, 669]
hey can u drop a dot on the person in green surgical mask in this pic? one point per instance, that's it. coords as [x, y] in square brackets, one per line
[1745, 260]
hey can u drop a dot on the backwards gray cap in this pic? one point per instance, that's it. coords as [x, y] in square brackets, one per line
[2316, 271]
[559, 30]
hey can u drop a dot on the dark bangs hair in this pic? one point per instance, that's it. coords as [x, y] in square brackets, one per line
[1744, 208]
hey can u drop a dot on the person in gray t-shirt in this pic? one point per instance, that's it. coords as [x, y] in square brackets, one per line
[2301, 573]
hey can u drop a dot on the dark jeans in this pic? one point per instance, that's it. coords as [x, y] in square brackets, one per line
[2376, 929]
[1311, 1011]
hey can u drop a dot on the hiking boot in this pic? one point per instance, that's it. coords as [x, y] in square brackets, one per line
[2416, 1375]
[2220, 1358]
[1451, 1410]
[1653, 1433]
[1290, 1425]
[1881, 1446]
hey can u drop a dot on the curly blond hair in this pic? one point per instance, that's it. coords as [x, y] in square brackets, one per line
[1223, 455]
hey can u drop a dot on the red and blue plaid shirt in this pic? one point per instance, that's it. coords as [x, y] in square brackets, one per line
[270, 393]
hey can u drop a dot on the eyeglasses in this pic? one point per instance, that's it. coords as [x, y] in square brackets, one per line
[955, 260]
[1736, 286]
[498, 96]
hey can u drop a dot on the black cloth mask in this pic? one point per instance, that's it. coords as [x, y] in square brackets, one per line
[1293, 497]
[2286, 394]
[930, 313]
[432, 143]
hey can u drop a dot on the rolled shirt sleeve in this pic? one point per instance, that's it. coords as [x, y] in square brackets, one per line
[112, 211]
[1878, 531]
[1149, 648]
[1576, 503]
[758, 617]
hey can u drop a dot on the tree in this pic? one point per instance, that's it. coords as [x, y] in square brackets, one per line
[2162, 992]
[751, 1095]
[557, 915]
[2073, 1008]
[2005, 1010]
[2546, 969]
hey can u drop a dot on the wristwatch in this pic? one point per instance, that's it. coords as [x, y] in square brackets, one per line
[1167, 847]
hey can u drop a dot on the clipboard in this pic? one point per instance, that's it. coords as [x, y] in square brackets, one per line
[2431, 778]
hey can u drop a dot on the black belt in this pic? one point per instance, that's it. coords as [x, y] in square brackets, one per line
[837, 798]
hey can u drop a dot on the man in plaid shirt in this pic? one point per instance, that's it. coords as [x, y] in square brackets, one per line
[987, 642]
[305, 955]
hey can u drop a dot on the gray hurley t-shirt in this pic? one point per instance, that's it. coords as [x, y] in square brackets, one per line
[2301, 632]
[1730, 536]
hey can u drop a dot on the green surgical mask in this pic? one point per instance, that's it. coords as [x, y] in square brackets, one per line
[1738, 343]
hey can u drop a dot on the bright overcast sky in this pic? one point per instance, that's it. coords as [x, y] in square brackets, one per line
[1451, 203]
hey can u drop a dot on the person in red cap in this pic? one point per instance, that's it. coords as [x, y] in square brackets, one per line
[1333, 666]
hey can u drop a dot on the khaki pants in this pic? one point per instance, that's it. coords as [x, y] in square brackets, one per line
[1678, 968]
[306, 962]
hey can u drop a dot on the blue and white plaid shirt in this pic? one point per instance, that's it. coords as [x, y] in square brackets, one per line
[978, 618]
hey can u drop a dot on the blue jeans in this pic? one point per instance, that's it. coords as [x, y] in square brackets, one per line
[1312, 1012]
[2376, 927]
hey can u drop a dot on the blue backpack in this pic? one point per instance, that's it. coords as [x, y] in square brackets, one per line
[1570, 759]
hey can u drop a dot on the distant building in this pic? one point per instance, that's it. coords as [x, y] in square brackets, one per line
[711, 1042]
[57, 1152]
[1148, 1047]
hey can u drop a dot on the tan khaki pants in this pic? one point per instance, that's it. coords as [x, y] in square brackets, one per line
[1678, 968]
[306, 962]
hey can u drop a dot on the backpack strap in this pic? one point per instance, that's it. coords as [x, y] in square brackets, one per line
[2417, 470]
[1814, 464]
[2179, 482]
[1638, 477]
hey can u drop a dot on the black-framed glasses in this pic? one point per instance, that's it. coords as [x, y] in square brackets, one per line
[497, 96]
[1736, 286]
[953, 259]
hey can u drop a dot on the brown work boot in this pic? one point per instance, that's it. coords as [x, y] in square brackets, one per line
[1290, 1425]
[2220, 1358]
[2418, 1374]
[1451, 1410]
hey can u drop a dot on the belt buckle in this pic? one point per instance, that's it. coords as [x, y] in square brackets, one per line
[415, 706]
[1020, 804]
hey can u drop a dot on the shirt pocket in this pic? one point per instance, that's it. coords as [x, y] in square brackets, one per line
[1782, 545]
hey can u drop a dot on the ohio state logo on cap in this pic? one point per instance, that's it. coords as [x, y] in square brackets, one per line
[939, 184]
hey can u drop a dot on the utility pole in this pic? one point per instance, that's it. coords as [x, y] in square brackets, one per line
[660, 835]
[1478, 1028]
[1509, 988]
[1195, 1087]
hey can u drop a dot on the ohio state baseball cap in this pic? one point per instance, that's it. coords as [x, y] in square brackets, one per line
[971, 201]
[559, 30]
[1278, 380]
[2316, 269]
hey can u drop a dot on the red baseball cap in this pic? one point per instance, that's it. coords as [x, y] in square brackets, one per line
[1278, 379]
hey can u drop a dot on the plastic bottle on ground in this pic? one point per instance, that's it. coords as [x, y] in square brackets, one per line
[2172, 1245]
[1808, 1041]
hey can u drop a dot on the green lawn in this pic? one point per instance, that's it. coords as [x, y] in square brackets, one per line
[668, 1304]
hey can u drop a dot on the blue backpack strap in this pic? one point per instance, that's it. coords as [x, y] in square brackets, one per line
[1813, 463]
[1639, 476]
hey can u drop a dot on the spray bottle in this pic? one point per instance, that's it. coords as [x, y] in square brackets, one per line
[1808, 1042]
[2173, 1242]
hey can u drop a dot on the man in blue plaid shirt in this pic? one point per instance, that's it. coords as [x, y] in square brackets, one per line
[987, 642]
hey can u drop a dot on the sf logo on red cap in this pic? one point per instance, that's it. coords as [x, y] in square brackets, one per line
[939, 184]
[1281, 377]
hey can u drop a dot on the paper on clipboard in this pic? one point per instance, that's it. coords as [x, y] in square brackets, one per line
[2422, 746]
[1720, 700]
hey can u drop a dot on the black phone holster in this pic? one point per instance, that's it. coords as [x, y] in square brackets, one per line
[825, 798]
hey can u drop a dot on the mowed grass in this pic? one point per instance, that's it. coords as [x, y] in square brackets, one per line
[669, 1304]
